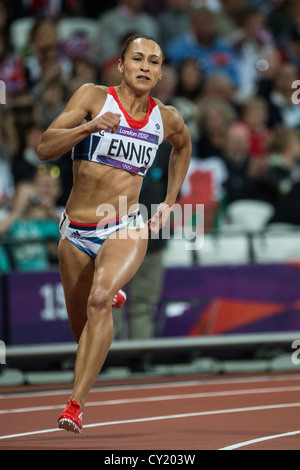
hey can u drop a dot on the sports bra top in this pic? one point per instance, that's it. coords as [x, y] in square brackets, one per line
[132, 147]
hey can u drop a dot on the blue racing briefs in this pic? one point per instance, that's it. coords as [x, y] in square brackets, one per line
[90, 237]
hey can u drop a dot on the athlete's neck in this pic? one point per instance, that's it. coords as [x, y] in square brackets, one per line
[135, 105]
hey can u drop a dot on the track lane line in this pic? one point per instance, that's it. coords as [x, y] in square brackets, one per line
[162, 418]
[259, 439]
[192, 383]
[126, 401]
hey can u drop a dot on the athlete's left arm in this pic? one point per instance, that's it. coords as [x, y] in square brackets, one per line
[178, 135]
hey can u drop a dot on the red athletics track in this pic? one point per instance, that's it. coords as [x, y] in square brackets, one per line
[203, 413]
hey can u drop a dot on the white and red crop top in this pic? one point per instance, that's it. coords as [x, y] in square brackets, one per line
[132, 147]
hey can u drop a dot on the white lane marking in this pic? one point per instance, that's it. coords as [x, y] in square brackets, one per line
[193, 383]
[259, 439]
[162, 418]
[125, 401]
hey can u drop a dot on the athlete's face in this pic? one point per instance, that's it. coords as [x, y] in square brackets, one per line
[142, 65]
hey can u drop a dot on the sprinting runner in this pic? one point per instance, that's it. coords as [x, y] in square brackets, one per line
[114, 134]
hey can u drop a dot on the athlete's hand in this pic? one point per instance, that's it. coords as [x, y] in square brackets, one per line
[160, 218]
[108, 122]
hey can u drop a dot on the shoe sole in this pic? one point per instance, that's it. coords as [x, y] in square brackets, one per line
[69, 425]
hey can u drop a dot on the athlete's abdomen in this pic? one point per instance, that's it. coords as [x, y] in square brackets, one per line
[99, 187]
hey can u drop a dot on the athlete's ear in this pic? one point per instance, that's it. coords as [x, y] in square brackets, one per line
[120, 66]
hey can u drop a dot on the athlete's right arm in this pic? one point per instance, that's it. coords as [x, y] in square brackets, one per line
[67, 129]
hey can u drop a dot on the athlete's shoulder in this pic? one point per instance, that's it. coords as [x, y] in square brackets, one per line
[168, 111]
[171, 117]
[91, 90]
[90, 97]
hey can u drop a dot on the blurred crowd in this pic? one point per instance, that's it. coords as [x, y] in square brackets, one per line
[232, 69]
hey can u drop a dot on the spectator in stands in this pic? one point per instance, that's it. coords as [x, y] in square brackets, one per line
[215, 118]
[291, 50]
[51, 101]
[267, 73]
[220, 87]
[173, 20]
[282, 111]
[12, 70]
[251, 43]
[47, 60]
[84, 71]
[65, 166]
[7, 189]
[283, 176]
[203, 44]
[243, 180]
[187, 94]
[5, 17]
[6, 176]
[48, 185]
[190, 80]
[229, 16]
[127, 17]
[254, 113]
[6, 147]
[27, 223]
[281, 21]
[26, 162]
[53, 9]
[18, 116]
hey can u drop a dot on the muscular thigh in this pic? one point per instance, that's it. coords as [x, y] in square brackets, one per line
[76, 273]
[120, 257]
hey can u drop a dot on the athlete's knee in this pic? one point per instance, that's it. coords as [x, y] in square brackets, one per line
[99, 303]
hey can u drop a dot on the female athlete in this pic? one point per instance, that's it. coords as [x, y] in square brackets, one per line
[113, 134]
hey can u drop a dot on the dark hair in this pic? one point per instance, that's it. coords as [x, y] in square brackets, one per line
[129, 39]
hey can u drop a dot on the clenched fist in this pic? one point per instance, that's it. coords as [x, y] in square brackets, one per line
[108, 122]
